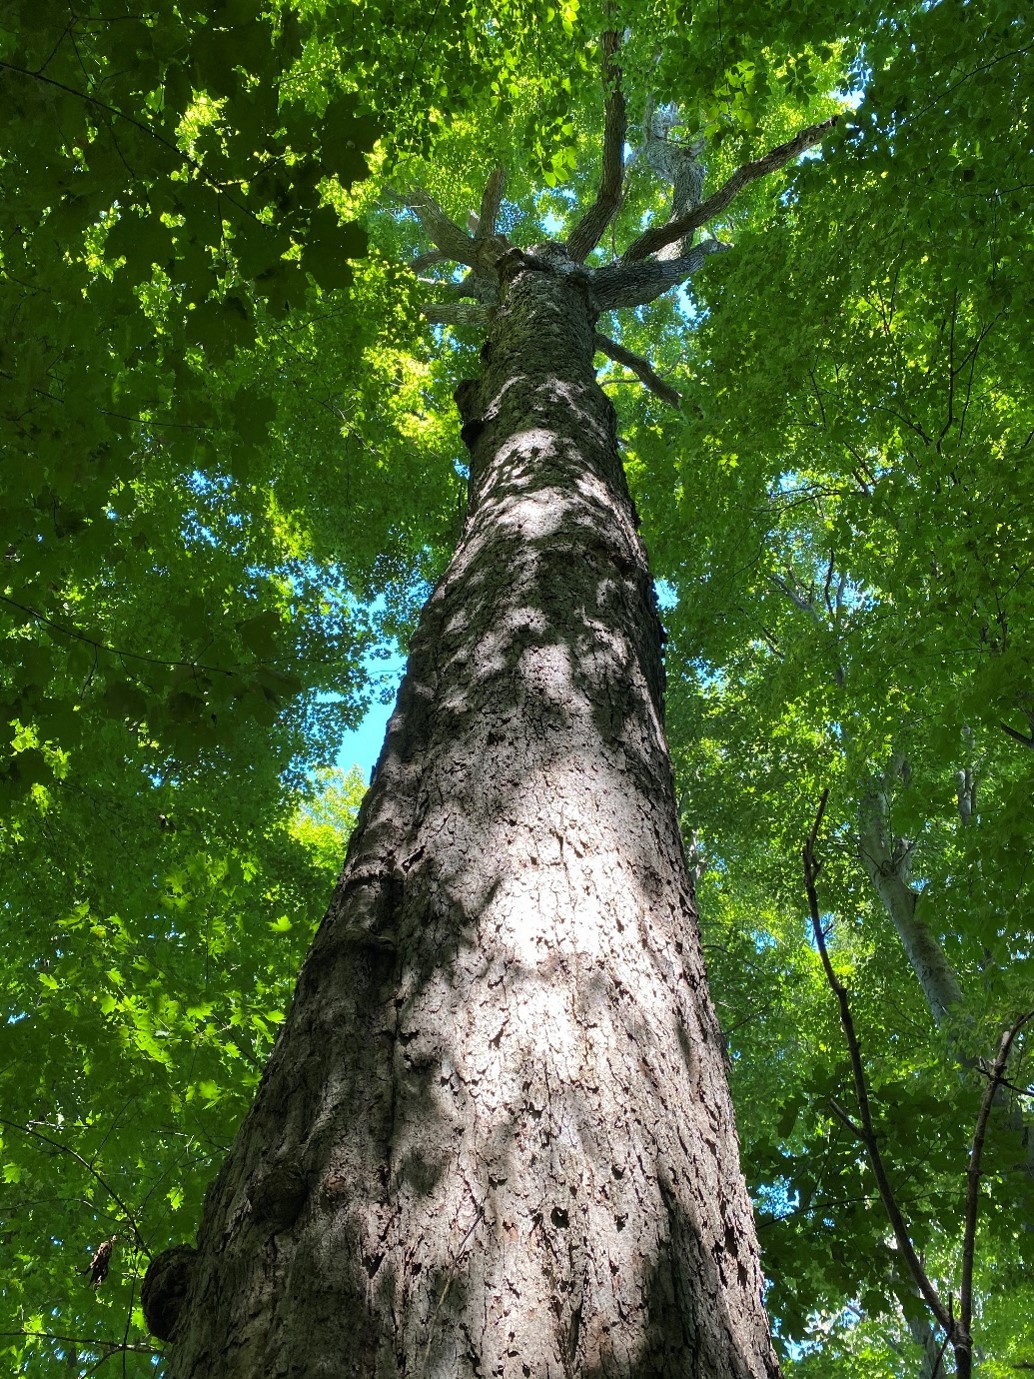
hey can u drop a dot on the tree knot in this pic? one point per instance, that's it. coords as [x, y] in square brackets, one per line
[165, 1289]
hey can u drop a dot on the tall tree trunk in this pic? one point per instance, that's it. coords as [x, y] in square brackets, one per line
[495, 1136]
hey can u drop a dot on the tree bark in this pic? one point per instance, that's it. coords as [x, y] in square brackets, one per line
[888, 865]
[495, 1136]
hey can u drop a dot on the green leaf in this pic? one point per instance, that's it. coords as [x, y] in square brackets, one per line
[329, 245]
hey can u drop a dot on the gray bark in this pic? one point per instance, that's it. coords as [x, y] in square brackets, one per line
[639, 282]
[678, 166]
[888, 863]
[495, 1136]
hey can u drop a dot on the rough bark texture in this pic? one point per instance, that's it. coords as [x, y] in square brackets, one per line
[495, 1137]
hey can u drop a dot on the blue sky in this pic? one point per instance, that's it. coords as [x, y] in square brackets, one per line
[361, 747]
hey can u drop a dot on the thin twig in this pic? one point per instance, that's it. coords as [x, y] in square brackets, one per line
[940, 1356]
[865, 1130]
[113, 110]
[479, 1216]
[66, 1149]
[90, 1342]
[969, 1235]
[113, 650]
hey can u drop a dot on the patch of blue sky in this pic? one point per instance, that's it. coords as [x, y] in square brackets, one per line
[361, 746]
[667, 598]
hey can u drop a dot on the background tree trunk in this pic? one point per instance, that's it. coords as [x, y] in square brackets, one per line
[495, 1137]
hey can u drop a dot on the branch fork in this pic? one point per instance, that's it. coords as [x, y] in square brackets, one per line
[656, 261]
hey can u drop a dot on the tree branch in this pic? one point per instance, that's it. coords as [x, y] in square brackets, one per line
[164, 661]
[636, 284]
[93, 1343]
[159, 138]
[589, 230]
[845, 1120]
[812, 867]
[940, 1356]
[652, 240]
[456, 313]
[429, 260]
[639, 366]
[491, 201]
[675, 164]
[797, 599]
[969, 1234]
[66, 1149]
[443, 233]
[1020, 737]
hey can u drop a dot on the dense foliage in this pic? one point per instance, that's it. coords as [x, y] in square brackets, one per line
[231, 465]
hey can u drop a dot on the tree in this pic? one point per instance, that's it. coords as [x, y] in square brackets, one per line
[498, 1104]
[264, 435]
[162, 587]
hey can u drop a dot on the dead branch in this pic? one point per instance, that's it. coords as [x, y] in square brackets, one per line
[651, 240]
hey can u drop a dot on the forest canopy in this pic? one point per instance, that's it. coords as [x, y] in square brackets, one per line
[232, 471]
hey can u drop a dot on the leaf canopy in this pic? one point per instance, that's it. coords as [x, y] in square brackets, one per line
[231, 467]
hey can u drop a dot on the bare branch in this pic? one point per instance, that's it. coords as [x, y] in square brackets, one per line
[457, 314]
[846, 1120]
[93, 1343]
[1020, 737]
[444, 234]
[639, 366]
[636, 284]
[796, 598]
[589, 230]
[865, 1129]
[940, 1356]
[491, 200]
[652, 240]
